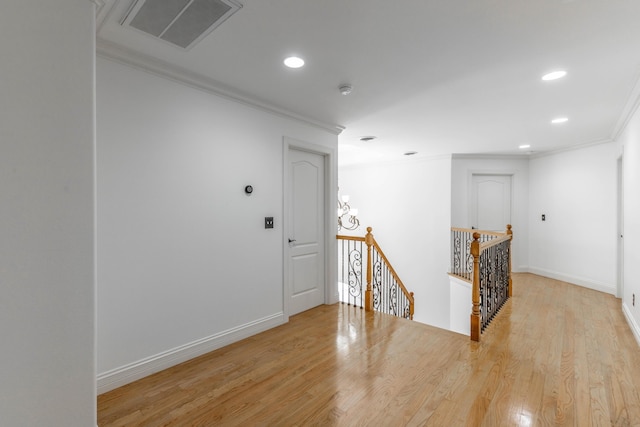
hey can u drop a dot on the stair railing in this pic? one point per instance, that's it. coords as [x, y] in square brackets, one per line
[483, 258]
[384, 290]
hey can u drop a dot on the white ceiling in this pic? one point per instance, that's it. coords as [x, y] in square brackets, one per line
[432, 76]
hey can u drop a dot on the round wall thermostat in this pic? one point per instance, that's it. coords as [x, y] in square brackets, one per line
[248, 189]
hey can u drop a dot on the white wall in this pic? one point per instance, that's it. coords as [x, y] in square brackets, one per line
[463, 167]
[408, 205]
[47, 281]
[631, 143]
[185, 264]
[576, 190]
[460, 305]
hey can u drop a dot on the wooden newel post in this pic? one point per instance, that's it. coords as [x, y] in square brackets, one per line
[411, 307]
[510, 233]
[368, 294]
[475, 290]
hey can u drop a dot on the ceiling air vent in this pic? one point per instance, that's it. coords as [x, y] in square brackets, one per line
[179, 22]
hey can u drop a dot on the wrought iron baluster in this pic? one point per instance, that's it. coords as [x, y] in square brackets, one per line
[377, 279]
[355, 274]
[469, 258]
[392, 294]
[384, 291]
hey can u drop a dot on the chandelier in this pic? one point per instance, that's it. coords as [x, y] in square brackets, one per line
[347, 216]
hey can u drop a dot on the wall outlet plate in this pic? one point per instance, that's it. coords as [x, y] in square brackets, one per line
[268, 222]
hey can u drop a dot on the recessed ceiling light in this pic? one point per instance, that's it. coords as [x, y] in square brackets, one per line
[522, 147]
[559, 120]
[294, 62]
[367, 138]
[410, 153]
[554, 75]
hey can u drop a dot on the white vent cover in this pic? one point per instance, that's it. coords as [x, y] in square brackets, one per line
[180, 22]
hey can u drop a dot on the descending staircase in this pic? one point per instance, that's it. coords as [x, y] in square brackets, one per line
[383, 290]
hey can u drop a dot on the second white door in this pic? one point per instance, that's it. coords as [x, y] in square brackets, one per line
[491, 202]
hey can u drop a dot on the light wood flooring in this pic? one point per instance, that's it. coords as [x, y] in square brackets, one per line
[556, 354]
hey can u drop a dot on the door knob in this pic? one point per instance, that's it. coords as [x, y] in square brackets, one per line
[292, 240]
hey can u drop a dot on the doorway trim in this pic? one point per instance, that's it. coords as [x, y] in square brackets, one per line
[330, 222]
[620, 227]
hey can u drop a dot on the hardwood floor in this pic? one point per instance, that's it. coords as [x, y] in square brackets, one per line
[556, 354]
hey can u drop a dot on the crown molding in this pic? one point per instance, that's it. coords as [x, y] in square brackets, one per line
[103, 12]
[571, 148]
[99, 4]
[489, 156]
[177, 74]
[632, 105]
[480, 156]
[533, 155]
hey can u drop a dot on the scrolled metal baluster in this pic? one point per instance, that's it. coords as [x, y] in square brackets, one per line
[393, 302]
[387, 295]
[355, 273]
[468, 273]
[377, 284]
[457, 254]
[405, 307]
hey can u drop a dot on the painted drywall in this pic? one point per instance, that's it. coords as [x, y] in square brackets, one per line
[47, 283]
[460, 306]
[184, 260]
[408, 206]
[462, 169]
[630, 139]
[576, 191]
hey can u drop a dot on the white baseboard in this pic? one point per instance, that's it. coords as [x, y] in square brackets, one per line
[580, 281]
[632, 322]
[134, 371]
[520, 269]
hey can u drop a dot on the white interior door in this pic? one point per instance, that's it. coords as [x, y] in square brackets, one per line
[491, 202]
[306, 230]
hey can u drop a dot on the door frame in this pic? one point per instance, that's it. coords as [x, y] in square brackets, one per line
[620, 227]
[330, 222]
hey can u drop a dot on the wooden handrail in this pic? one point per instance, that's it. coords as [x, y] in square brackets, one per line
[356, 238]
[493, 242]
[474, 230]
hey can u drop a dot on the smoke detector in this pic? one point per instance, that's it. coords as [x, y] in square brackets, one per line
[345, 89]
